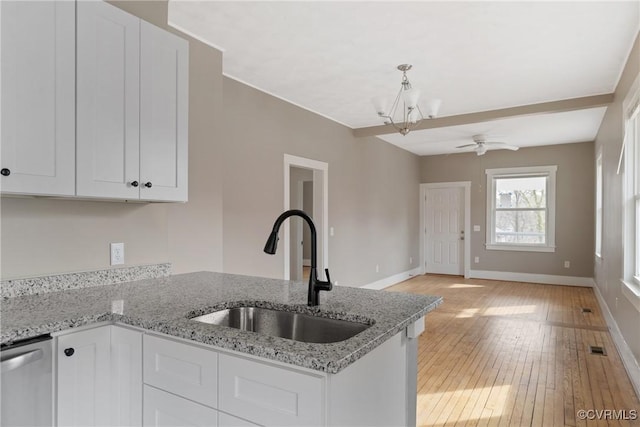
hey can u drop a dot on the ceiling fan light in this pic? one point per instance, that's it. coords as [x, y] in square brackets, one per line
[481, 150]
[380, 104]
[410, 97]
[434, 107]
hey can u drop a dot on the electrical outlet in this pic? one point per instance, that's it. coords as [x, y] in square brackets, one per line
[410, 260]
[331, 231]
[567, 264]
[117, 253]
[476, 259]
[377, 268]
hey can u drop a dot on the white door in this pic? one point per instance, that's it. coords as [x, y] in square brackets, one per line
[444, 229]
[84, 378]
[164, 98]
[108, 101]
[38, 97]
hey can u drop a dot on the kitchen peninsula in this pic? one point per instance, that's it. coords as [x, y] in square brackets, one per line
[163, 366]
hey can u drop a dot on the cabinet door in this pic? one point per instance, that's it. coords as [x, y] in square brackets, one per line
[126, 377]
[164, 68]
[38, 97]
[108, 143]
[84, 378]
[162, 409]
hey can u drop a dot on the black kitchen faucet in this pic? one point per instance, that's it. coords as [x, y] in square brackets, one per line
[315, 285]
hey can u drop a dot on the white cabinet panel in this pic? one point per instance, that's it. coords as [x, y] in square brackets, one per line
[126, 377]
[38, 97]
[84, 379]
[164, 77]
[182, 369]
[270, 395]
[108, 85]
[163, 409]
[226, 420]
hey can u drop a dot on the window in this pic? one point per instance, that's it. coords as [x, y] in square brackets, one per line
[521, 208]
[631, 189]
[599, 205]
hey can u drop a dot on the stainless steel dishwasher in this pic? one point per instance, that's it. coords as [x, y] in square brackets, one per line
[26, 392]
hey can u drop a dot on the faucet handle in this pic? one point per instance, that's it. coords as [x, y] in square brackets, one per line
[328, 283]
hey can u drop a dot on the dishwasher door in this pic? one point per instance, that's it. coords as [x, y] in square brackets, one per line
[26, 392]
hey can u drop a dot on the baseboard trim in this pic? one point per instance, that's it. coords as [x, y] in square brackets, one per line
[392, 280]
[547, 279]
[631, 365]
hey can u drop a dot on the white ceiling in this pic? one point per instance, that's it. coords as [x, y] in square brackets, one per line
[333, 57]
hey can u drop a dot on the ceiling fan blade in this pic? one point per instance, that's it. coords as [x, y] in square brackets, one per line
[468, 145]
[502, 145]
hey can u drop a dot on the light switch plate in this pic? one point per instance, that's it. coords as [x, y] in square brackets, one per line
[476, 228]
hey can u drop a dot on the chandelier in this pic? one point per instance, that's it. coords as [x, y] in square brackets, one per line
[405, 114]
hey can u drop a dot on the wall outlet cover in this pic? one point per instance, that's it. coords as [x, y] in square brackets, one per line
[117, 253]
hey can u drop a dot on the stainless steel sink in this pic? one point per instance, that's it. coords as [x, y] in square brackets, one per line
[284, 324]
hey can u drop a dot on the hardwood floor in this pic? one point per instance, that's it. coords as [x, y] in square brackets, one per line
[516, 354]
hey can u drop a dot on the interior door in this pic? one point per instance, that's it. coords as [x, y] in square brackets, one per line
[444, 229]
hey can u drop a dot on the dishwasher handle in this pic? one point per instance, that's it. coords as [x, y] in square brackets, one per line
[20, 360]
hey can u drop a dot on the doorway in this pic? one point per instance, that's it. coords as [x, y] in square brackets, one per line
[445, 224]
[300, 197]
[301, 173]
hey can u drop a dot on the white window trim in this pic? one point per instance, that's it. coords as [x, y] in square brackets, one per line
[630, 281]
[550, 171]
[599, 204]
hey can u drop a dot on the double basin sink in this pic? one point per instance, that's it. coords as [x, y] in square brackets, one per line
[284, 324]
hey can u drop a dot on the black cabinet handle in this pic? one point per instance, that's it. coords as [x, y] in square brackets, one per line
[148, 184]
[5, 172]
[69, 351]
[134, 183]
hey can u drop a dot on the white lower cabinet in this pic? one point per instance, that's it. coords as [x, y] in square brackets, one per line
[270, 395]
[162, 409]
[104, 379]
[99, 377]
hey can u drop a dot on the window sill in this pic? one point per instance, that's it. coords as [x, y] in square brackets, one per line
[632, 292]
[520, 248]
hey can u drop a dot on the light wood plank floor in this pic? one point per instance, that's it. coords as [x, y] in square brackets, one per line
[515, 354]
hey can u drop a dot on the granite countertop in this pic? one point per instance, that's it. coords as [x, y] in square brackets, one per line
[165, 305]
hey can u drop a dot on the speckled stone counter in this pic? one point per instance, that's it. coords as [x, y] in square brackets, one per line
[166, 305]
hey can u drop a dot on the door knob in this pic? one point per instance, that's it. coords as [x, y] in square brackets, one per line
[69, 351]
[5, 172]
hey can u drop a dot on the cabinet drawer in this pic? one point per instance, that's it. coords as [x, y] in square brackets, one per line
[270, 395]
[182, 369]
[168, 410]
[226, 420]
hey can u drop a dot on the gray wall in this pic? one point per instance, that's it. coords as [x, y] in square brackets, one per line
[43, 236]
[609, 270]
[373, 189]
[574, 205]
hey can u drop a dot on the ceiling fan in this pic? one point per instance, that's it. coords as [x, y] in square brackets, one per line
[481, 145]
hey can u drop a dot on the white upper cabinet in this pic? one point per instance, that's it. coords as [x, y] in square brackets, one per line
[38, 97]
[164, 99]
[93, 105]
[132, 107]
[108, 82]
